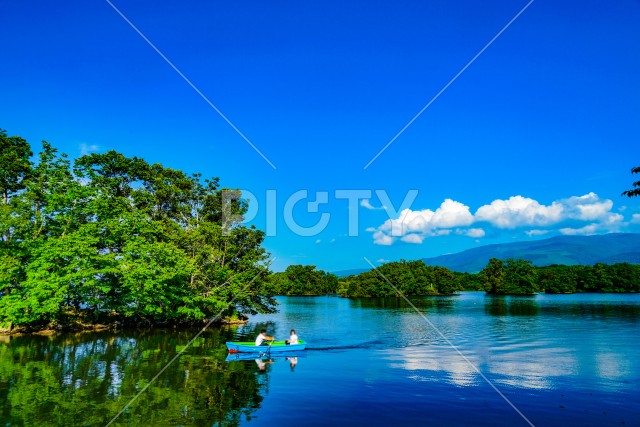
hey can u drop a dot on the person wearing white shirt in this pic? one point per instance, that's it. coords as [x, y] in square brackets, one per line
[293, 338]
[263, 337]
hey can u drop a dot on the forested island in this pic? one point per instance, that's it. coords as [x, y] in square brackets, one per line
[114, 240]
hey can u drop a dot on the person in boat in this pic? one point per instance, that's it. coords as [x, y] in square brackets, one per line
[263, 337]
[293, 338]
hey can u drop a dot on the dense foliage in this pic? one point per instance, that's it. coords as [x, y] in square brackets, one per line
[409, 277]
[113, 238]
[558, 279]
[303, 280]
[513, 276]
[499, 277]
[635, 191]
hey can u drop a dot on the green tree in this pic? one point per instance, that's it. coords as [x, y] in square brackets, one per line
[557, 279]
[520, 277]
[303, 280]
[493, 277]
[408, 277]
[114, 238]
[635, 191]
[15, 164]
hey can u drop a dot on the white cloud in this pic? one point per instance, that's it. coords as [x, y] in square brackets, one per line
[382, 261]
[379, 238]
[332, 240]
[475, 232]
[413, 238]
[635, 219]
[366, 204]
[318, 241]
[587, 208]
[585, 231]
[450, 214]
[532, 233]
[519, 211]
[413, 226]
[87, 149]
[613, 219]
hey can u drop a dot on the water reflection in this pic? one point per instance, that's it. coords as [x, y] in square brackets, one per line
[438, 304]
[85, 379]
[514, 306]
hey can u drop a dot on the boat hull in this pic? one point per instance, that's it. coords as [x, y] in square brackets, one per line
[276, 347]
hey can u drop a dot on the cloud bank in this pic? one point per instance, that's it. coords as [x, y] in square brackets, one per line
[576, 215]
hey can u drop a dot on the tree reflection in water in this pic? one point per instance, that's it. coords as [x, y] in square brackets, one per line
[86, 379]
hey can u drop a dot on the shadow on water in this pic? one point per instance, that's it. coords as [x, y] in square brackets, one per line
[438, 304]
[551, 306]
[513, 306]
[86, 379]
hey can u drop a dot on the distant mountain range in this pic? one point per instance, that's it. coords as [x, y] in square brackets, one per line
[568, 250]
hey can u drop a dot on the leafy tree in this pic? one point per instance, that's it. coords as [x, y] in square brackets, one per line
[493, 277]
[15, 164]
[469, 282]
[520, 277]
[408, 277]
[635, 191]
[114, 238]
[557, 279]
[303, 280]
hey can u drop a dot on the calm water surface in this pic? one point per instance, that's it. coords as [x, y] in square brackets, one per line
[559, 359]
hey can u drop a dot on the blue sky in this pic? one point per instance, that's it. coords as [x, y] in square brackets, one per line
[535, 138]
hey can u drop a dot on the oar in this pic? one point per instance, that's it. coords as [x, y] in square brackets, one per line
[269, 348]
[268, 352]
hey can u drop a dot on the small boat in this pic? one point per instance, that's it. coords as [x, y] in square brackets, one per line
[276, 347]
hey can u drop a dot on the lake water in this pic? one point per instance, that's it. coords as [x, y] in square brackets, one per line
[557, 359]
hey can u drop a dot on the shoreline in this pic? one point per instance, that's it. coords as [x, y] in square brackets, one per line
[79, 327]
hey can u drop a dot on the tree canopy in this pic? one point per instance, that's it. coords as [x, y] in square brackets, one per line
[499, 277]
[110, 238]
[635, 191]
[409, 277]
[303, 280]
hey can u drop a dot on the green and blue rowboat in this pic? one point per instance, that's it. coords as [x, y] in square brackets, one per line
[276, 347]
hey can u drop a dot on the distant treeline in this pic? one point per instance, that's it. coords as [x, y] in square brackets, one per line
[499, 277]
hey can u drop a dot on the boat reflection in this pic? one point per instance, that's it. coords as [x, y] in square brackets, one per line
[232, 357]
